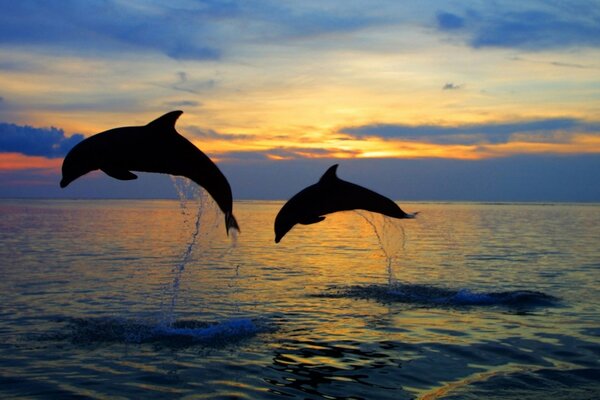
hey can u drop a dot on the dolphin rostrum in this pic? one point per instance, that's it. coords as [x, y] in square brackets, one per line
[156, 147]
[329, 195]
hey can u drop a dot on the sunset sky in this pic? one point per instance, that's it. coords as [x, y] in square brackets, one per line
[427, 100]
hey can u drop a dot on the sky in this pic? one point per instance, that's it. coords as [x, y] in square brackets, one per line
[428, 100]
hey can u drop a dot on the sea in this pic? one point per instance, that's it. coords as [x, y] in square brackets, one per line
[144, 299]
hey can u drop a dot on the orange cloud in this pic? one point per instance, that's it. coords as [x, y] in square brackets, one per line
[16, 161]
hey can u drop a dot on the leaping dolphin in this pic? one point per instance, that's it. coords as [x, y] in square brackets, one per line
[329, 195]
[156, 147]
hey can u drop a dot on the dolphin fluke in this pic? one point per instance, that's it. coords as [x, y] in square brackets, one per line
[331, 194]
[155, 147]
[231, 223]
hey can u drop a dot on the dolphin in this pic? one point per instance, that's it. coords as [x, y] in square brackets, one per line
[156, 147]
[329, 195]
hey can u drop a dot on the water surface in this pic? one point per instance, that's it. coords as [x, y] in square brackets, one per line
[113, 299]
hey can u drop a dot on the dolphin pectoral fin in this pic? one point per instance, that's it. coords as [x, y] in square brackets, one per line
[121, 174]
[311, 220]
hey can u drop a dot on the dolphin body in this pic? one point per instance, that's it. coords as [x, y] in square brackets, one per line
[156, 147]
[329, 195]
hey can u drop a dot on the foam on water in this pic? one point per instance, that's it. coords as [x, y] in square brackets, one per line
[437, 296]
[181, 332]
[226, 329]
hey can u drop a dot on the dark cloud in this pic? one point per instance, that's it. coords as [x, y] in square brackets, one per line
[46, 142]
[467, 134]
[568, 65]
[182, 103]
[451, 86]
[108, 26]
[243, 156]
[554, 63]
[196, 30]
[531, 29]
[449, 21]
[183, 80]
[184, 84]
[537, 30]
[204, 133]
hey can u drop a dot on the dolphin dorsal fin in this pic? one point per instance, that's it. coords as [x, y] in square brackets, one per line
[166, 123]
[330, 174]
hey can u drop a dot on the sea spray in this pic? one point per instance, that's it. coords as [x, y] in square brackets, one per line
[187, 192]
[391, 238]
[203, 221]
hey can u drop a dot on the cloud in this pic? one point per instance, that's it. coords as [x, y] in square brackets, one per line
[27, 140]
[184, 84]
[449, 21]
[286, 153]
[10, 162]
[554, 63]
[451, 86]
[293, 153]
[181, 30]
[183, 103]
[540, 28]
[108, 25]
[210, 134]
[552, 129]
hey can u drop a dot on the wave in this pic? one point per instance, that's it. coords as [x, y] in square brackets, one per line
[437, 296]
[523, 382]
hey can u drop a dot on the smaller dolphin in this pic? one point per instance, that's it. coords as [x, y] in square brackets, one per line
[155, 147]
[329, 195]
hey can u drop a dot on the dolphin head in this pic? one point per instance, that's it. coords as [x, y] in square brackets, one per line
[289, 215]
[283, 224]
[307, 206]
[79, 161]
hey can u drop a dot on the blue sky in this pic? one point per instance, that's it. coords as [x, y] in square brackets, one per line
[500, 99]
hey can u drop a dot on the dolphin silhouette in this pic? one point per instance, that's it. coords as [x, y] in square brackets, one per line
[329, 195]
[156, 147]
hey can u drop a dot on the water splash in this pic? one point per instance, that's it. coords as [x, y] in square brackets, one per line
[187, 192]
[391, 238]
[179, 333]
[434, 296]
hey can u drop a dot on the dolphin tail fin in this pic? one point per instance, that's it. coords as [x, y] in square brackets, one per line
[231, 223]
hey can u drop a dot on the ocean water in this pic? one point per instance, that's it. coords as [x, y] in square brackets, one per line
[151, 299]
